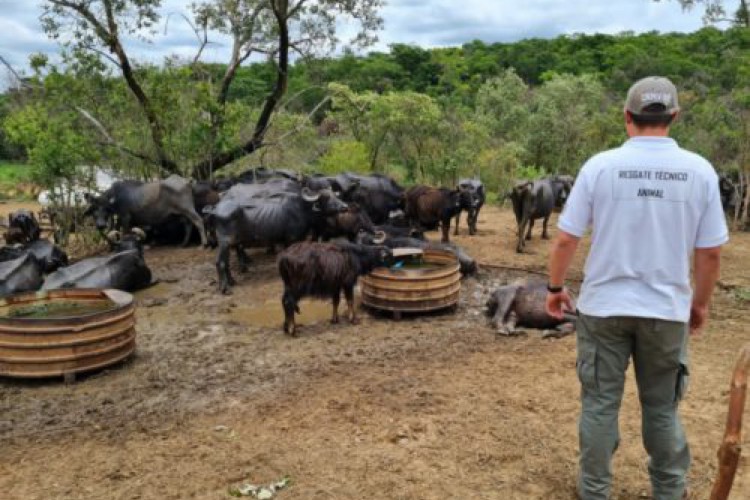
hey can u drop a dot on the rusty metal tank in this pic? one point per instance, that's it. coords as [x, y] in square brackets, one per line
[426, 288]
[63, 332]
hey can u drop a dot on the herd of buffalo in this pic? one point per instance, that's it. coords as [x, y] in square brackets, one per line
[332, 229]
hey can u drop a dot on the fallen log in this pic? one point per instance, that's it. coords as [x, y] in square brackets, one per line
[731, 447]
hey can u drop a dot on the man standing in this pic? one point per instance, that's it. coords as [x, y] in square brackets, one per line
[651, 205]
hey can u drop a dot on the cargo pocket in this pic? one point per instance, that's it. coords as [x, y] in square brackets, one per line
[683, 377]
[586, 368]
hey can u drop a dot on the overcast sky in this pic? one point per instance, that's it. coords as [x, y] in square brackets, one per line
[428, 23]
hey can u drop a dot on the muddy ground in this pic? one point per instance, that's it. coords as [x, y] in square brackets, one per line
[429, 407]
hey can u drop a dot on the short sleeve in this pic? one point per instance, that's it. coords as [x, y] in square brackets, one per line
[712, 228]
[576, 216]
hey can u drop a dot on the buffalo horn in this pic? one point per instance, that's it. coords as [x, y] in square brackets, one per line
[379, 238]
[309, 196]
[139, 233]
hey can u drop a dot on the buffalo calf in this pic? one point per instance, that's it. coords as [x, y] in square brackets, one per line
[323, 270]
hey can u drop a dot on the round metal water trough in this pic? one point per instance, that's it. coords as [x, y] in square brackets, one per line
[414, 290]
[64, 332]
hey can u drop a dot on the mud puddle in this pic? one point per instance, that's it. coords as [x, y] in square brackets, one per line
[270, 313]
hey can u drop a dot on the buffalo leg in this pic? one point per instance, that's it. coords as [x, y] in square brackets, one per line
[242, 258]
[289, 303]
[473, 216]
[188, 232]
[545, 235]
[531, 225]
[335, 299]
[351, 310]
[458, 220]
[196, 220]
[446, 227]
[502, 301]
[521, 231]
[222, 268]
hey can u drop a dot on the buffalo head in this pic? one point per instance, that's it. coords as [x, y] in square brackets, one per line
[323, 201]
[101, 208]
[130, 241]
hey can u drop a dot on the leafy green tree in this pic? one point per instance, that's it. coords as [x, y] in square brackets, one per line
[95, 29]
[571, 120]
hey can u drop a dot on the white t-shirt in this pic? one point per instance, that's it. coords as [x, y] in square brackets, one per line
[649, 203]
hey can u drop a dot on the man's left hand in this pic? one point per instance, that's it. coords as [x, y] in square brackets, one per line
[558, 304]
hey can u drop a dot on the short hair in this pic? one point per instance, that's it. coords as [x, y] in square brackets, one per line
[655, 115]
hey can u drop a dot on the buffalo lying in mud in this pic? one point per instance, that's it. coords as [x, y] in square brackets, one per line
[523, 304]
[48, 254]
[22, 274]
[125, 269]
[324, 270]
[23, 227]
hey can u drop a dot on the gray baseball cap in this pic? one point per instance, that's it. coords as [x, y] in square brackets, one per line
[652, 90]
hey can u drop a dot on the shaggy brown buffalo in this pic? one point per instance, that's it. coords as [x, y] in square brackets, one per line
[427, 207]
[323, 270]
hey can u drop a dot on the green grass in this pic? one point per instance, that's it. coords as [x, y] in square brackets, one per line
[742, 294]
[15, 178]
[11, 173]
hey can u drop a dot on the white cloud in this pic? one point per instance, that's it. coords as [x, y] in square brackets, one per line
[426, 23]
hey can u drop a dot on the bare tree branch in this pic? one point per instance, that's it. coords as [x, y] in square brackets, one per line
[21, 81]
[297, 128]
[108, 139]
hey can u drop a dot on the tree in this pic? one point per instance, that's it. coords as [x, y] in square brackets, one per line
[716, 12]
[96, 28]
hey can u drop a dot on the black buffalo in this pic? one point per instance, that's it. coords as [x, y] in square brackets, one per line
[472, 200]
[22, 274]
[48, 254]
[427, 207]
[324, 270]
[561, 187]
[243, 220]
[23, 227]
[136, 203]
[349, 224]
[125, 269]
[378, 195]
[532, 200]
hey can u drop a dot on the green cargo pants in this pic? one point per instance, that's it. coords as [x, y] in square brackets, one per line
[659, 351]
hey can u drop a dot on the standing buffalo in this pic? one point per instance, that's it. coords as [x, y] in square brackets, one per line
[242, 220]
[123, 270]
[349, 224]
[472, 200]
[561, 187]
[377, 194]
[146, 204]
[532, 200]
[323, 270]
[426, 207]
[22, 274]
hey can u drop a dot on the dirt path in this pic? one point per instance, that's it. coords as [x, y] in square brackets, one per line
[429, 407]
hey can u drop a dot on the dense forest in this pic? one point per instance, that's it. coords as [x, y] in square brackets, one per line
[499, 111]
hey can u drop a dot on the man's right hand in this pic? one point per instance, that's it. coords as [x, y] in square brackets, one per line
[698, 317]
